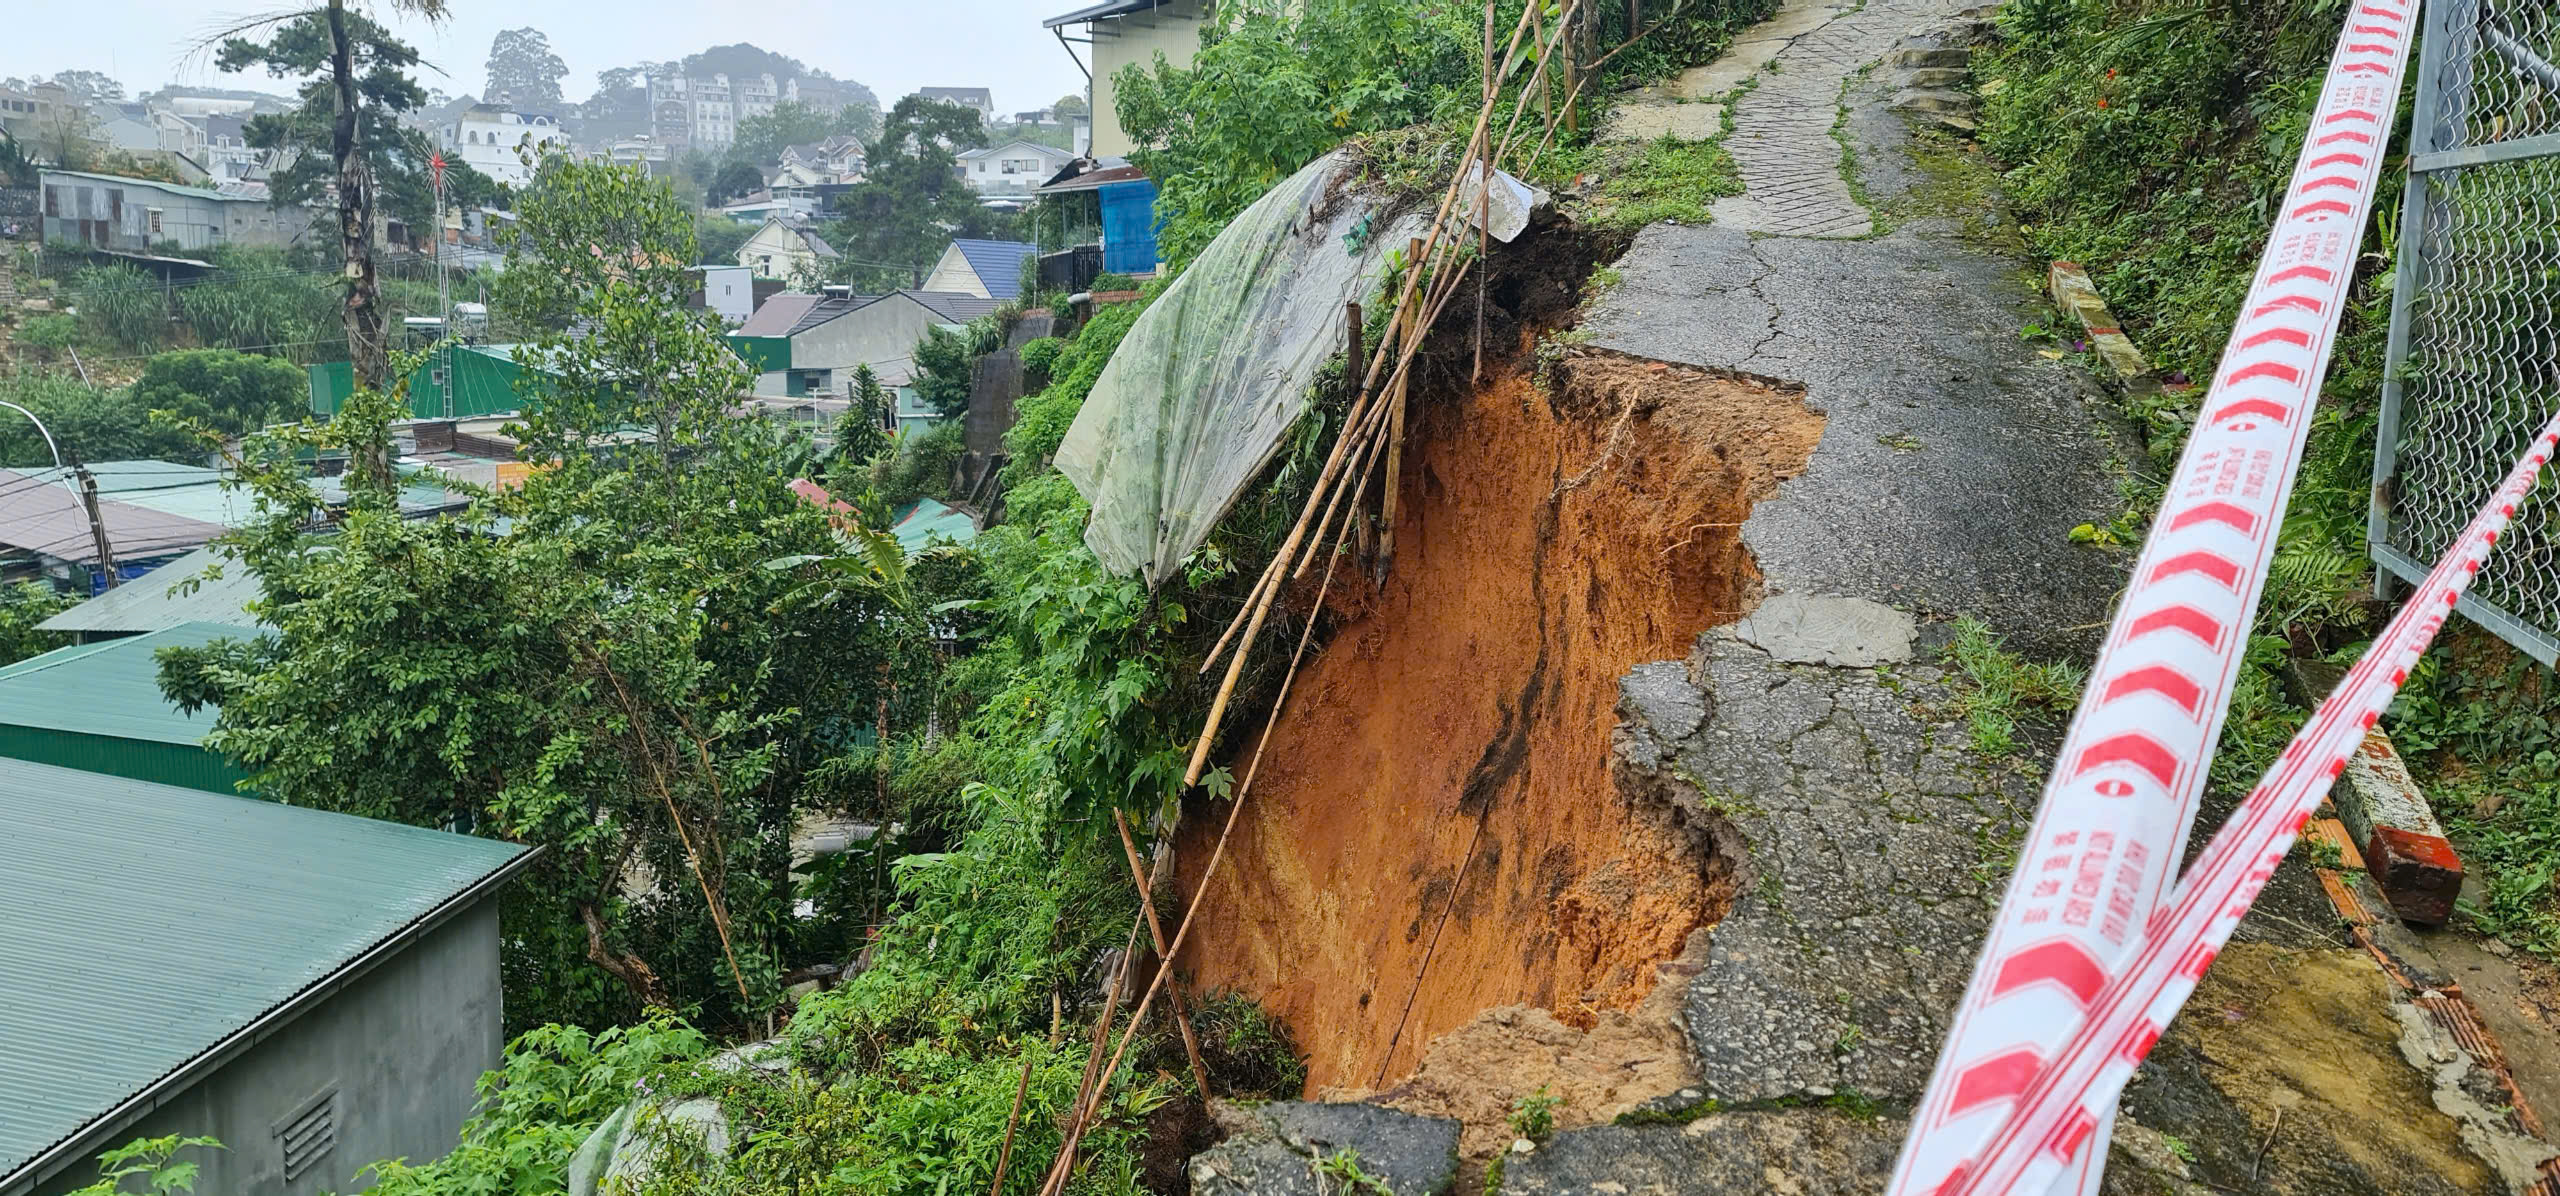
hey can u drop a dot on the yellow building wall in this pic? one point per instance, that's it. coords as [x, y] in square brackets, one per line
[1173, 30]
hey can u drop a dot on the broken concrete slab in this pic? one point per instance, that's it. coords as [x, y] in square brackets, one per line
[1872, 845]
[2078, 297]
[1283, 1148]
[1818, 629]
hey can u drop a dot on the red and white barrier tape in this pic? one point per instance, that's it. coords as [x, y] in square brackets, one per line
[2079, 1087]
[2122, 796]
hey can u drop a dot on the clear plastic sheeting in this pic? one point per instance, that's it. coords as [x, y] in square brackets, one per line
[1210, 378]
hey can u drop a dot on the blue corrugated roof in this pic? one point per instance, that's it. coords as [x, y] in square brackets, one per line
[998, 264]
[150, 923]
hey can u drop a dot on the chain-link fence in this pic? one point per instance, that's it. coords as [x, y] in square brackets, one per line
[2474, 365]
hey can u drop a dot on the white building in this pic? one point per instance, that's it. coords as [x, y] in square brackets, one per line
[227, 154]
[715, 111]
[784, 249]
[1129, 33]
[1016, 168]
[498, 141]
[643, 151]
[756, 96]
[728, 292]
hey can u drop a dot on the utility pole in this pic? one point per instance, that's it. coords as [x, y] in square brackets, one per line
[87, 489]
[444, 292]
[97, 525]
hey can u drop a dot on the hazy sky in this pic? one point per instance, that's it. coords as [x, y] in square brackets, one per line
[895, 46]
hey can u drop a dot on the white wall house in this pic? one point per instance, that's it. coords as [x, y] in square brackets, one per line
[728, 292]
[227, 153]
[1016, 168]
[715, 111]
[1131, 33]
[487, 138]
[782, 249]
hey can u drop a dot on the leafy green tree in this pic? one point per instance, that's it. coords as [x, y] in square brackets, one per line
[762, 138]
[640, 675]
[236, 393]
[22, 606]
[15, 169]
[354, 117]
[944, 361]
[736, 179]
[1276, 84]
[912, 201]
[718, 238]
[97, 425]
[524, 71]
[863, 432]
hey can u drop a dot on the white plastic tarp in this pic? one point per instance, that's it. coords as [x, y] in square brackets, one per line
[1208, 381]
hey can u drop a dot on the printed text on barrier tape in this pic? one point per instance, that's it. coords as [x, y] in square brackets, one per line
[2123, 792]
[2063, 1105]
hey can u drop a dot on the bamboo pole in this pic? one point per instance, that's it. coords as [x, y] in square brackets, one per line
[1004, 1156]
[1396, 404]
[1155, 929]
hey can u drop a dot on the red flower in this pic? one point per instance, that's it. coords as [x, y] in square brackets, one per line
[2102, 103]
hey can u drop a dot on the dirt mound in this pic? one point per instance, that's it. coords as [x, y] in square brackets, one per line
[1435, 832]
[1477, 1072]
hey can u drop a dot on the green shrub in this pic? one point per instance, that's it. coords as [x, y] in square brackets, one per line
[234, 393]
[554, 1085]
[1037, 356]
[922, 464]
[98, 425]
[50, 336]
[22, 606]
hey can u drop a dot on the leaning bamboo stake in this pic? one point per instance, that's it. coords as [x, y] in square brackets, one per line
[1396, 404]
[1093, 1054]
[1484, 192]
[1155, 929]
[1004, 1156]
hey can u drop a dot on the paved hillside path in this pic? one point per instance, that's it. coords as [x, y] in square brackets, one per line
[1825, 730]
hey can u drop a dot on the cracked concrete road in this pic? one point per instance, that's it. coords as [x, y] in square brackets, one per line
[1956, 460]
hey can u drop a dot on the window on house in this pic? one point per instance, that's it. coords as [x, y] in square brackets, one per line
[155, 220]
[53, 201]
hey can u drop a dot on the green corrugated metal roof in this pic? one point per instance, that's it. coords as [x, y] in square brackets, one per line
[149, 923]
[110, 688]
[147, 603]
[921, 522]
[98, 708]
